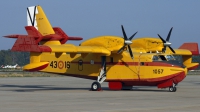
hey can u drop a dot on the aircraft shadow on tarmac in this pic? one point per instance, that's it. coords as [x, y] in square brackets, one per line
[196, 83]
[33, 88]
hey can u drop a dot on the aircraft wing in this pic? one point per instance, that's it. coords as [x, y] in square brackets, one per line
[186, 49]
[66, 48]
[182, 52]
[79, 49]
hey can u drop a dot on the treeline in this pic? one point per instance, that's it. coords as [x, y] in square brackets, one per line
[8, 57]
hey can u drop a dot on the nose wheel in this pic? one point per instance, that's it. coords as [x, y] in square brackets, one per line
[173, 88]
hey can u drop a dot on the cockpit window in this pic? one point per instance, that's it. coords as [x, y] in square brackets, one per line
[162, 57]
[170, 57]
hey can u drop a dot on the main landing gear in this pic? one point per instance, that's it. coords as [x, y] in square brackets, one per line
[96, 86]
[172, 88]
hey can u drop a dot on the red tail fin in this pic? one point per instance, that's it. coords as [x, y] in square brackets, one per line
[193, 47]
[32, 31]
[60, 32]
[30, 42]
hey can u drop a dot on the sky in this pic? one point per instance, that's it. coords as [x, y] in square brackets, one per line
[91, 18]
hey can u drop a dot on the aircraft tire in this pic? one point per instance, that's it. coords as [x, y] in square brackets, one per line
[172, 89]
[96, 86]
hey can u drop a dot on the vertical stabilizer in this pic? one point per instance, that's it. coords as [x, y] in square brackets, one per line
[37, 18]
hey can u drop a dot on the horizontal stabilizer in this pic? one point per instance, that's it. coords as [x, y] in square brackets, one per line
[193, 47]
[60, 32]
[30, 42]
[75, 38]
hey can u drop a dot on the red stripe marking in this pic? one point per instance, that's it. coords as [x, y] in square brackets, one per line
[193, 68]
[133, 63]
[178, 77]
[150, 79]
[38, 68]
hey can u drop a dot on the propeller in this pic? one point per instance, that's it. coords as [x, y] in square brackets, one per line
[166, 42]
[127, 42]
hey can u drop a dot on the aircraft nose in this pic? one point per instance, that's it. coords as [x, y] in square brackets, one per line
[180, 76]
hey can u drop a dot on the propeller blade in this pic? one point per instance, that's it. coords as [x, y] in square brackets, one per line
[130, 51]
[132, 36]
[172, 49]
[162, 39]
[124, 33]
[121, 49]
[169, 34]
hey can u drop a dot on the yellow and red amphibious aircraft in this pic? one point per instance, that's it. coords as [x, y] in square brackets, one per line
[122, 62]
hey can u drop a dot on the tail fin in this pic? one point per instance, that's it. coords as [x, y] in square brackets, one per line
[30, 42]
[37, 18]
[60, 32]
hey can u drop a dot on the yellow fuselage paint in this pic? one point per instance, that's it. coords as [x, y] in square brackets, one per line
[125, 68]
[118, 66]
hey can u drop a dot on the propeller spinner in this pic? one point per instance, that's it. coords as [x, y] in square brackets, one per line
[127, 42]
[166, 42]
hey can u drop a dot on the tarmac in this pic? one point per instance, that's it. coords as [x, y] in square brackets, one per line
[69, 94]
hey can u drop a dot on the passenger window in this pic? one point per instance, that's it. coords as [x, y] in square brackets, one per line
[155, 58]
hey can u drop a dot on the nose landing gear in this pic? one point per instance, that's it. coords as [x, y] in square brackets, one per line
[172, 88]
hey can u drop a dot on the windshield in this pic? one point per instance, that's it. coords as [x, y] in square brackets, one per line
[163, 58]
[170, 57]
